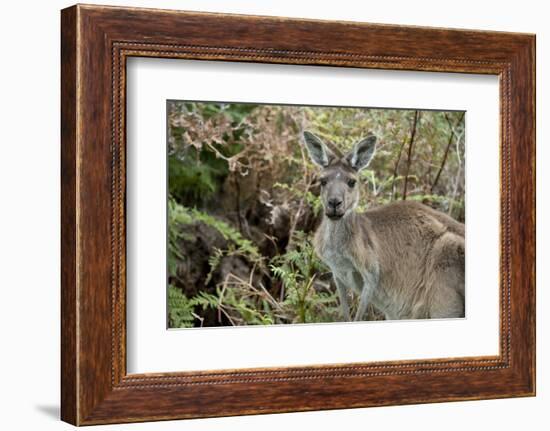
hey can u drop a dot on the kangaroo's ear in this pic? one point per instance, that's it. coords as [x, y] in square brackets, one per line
[318, 151]
[362, 153]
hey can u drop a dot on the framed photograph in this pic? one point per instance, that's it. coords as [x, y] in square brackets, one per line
[264, 215]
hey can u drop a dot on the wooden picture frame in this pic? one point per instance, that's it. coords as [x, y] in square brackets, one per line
[95, 43]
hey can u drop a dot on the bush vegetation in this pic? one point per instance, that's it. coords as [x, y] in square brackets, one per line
[243, 205]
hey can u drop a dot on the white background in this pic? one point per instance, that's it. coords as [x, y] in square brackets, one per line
[29, 216]
[151, 348]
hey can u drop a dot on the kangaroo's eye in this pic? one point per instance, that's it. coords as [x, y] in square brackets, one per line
[351, 183]
[323, 182]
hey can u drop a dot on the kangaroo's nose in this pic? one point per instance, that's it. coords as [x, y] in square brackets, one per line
[334, 203]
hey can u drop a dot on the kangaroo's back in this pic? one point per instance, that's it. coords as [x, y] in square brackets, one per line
[410, 218]
[421, 259]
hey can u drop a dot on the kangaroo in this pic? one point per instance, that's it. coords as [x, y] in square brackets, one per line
[404, 258]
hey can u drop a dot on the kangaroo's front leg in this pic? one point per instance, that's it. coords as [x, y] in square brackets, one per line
[343, 296]
[369, 284]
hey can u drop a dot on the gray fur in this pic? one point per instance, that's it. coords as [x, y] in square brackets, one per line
[404, 258]
[318, 151]
[362, 153]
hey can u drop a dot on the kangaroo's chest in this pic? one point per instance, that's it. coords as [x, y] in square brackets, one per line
[343, 267]
[339, 247]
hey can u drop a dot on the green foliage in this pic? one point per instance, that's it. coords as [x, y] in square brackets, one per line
[195, 178]
[180, 216]
[180, 309]
[177, 216]
[297, 270]
[237, 244]
[244, 309]
[197, 162]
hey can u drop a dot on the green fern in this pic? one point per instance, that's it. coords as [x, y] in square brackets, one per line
[180, 216]
[297, 269]
[180, 309]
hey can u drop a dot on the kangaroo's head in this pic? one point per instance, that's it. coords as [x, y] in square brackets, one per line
[339, 174]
